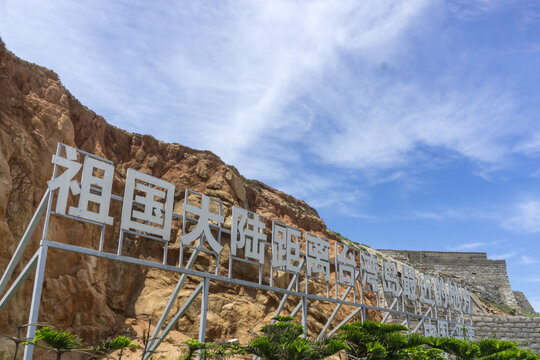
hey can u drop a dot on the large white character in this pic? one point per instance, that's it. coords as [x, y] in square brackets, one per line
[390, 278]
[286, 248]
[441, 292]
[203, 226]
[142, 211]
[442, 326]
[408, 282]
[430, 329]
[425, 285]
[466, 295]
[455, 296]
[370, 270]
[318, 254]
[247, 232]
[66, 182]
[346, 264]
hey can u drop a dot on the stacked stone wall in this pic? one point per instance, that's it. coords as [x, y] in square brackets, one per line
[524, 303]
[488, 278]
[515, 328]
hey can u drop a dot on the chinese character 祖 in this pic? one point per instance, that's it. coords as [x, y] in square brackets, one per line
[247, 232]
[346, 264]
[430, 329]
[442, 326]
[202, 229]
[285, 250]
[318, 254]
[390, 278]
[425, 285]
[142, 211]
[408, 282]
[369, 264]
[66, 182]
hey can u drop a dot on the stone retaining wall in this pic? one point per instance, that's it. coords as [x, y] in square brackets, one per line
[488, 278]
[516, 328]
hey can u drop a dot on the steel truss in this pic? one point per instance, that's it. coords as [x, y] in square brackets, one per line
[38, 263]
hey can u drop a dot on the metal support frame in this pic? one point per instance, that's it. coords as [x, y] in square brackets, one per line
[38, 262]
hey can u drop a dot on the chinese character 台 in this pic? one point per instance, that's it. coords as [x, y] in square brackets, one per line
[346, 264]
[318, 254]
[247, 232]
[202, 229]
[148, 205]
[93, 189]
[285, 250]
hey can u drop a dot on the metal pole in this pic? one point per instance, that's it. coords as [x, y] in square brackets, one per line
[304, 316]
[204, 311]
[25, 240]
[36, 299]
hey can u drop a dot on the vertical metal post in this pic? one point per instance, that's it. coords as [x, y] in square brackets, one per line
[304, 316]
[36, 299]
[204, 311]
[102, 238]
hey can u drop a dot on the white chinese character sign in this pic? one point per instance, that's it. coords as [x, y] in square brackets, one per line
[205, 217]
[95, 186]
[148, 205]
[82, 188]
[285, 248]
[247, 232]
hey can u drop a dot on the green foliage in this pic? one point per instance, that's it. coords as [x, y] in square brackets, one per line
[59, 340]
[118, 343]
[283, 341]
[211, 350]
[373, 340]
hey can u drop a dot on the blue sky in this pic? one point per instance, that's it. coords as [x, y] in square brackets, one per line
[407, 124]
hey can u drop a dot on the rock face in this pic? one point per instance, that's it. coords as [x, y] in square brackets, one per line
[96, 298]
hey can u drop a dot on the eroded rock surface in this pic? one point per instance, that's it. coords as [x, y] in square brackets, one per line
[96, 298]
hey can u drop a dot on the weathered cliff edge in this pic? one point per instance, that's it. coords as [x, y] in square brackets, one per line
[96, 298]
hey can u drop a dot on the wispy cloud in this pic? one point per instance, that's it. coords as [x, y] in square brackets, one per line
[504, 256]
[524, 217]
[469, 246]
[527, 260]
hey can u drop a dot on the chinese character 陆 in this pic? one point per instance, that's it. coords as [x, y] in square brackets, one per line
[202, 229]
[148, 204]
[247, 231]
[318, 254]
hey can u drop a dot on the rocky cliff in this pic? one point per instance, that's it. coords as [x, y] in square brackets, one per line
[96, 298]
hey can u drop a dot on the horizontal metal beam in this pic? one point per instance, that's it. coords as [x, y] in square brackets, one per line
[156, 265]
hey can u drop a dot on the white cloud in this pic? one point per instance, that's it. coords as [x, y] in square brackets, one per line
[504, 256]
[469, 246]
[524, 217]
[527, 260]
